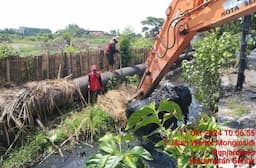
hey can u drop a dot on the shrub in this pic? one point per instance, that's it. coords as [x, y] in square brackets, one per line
[6, 51]
[134, 80]
[125, 49]
[211, 56]
[142, 43]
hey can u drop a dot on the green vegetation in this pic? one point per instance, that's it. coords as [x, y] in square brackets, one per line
[151, 25]
[114, 151]
[112, 83]
[204, 130]
[142, 42]
[253, 85]
[92, 122]
[6, 51]
[182, 153]
[71, 39]
[125, 46]
[70, 49]
[211, 56]
[238, 110]
[27, 153]
[133, 80]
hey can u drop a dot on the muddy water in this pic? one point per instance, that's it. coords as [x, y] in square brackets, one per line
[195, 108]
[74, 159]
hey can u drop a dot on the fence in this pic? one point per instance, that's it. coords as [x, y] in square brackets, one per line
[20, 70]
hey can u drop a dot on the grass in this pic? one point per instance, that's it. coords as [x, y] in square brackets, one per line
[33, 45]
[237, 108]
[253, 85]
[91, 121]
[25, 154]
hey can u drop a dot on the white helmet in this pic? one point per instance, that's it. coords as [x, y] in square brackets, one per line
[115, 39]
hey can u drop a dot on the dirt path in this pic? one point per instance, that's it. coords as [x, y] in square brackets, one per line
[238, 107]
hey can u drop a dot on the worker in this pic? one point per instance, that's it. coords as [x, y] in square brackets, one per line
[94, 84]
[110, 51]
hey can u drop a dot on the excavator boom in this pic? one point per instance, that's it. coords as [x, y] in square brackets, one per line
[184, 19]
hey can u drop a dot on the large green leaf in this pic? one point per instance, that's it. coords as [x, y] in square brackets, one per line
[108, 144]
[99, 160]
[130, 160]
[104, 161]
[146, 121]
[172, 107]
[139, 115]
[139, 151]
[113, 161]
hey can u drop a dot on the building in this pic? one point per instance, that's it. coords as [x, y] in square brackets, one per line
[32, 31]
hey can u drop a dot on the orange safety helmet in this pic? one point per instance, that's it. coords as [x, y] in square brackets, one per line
[94, 68]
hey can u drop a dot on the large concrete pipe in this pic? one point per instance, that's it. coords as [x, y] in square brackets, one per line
[139, 69]
[82, 82]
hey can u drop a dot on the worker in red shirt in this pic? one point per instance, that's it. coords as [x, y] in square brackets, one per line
[94, 84]
[110, 51]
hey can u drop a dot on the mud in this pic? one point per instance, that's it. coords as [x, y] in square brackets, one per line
[179, 94]
[73, 159]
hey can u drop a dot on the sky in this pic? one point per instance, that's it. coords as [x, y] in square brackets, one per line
[89, 14]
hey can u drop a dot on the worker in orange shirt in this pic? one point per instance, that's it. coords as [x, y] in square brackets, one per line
[94, 84]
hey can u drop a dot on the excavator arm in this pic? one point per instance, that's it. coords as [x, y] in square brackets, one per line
[184, 19]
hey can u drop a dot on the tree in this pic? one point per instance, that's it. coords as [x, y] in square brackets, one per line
[125, 49]
[72, 30]
[75, 30]
[67, 37]
[125, 45]
[129, 32]
[253, 26]
[242, 62]
[152, 25]
[113, 32]
[211, 56]
[6, 50]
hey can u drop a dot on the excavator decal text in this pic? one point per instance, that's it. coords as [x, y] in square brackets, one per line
[229, 11]
[231, 6]
[249, 2]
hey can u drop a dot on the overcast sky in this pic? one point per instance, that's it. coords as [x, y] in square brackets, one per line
[90, 14]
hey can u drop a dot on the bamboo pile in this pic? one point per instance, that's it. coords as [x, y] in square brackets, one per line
[22, 107]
